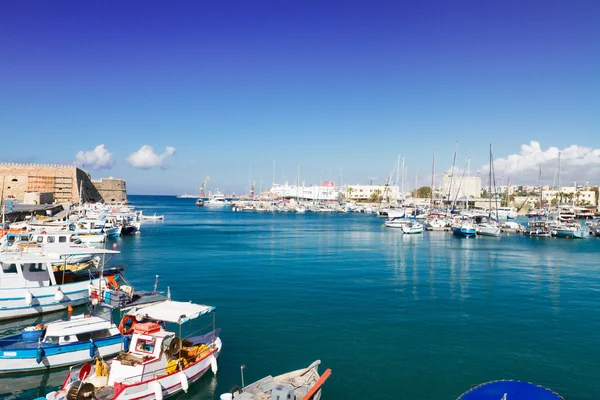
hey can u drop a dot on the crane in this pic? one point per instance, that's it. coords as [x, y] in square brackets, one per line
[203, 187]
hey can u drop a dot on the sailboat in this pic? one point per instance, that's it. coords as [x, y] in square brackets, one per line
[568, 230]
[489, 227]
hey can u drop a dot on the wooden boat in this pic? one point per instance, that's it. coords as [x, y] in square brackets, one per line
[537, 229]
[29, 285]
[158, 363]
[302, 384]
[60, 343]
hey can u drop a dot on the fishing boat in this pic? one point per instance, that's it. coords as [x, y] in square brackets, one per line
[302, 384]
[537, 229]
[60, 343]
[158, 364]
[464, 229]
[395, 222]
[153, 217]
[509, 390]
[29, 286]
[412, 228]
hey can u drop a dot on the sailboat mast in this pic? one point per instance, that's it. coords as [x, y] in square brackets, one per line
[541, 189]
[432, 203]
[493, 179]
[559, 193]
[452, 174]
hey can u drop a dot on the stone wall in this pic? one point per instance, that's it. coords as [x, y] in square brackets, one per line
[64, 181]
[111, 190]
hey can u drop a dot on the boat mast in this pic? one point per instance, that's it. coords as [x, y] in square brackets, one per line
[493, 177]
[559, 193]
[541, 190]
[432, 202]
[452, 174]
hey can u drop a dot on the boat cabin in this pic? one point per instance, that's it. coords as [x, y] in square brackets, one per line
[26, 271]
[147, 356]
[81, 328]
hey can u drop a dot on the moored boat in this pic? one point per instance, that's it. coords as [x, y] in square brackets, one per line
[59, 344]
[158, 364]
[412, 228]
[29, 285]
[396, 222]
[465, 229]
[537, 229]
[301, 384]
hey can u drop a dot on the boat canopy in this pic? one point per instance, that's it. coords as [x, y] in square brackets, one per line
[77, 325]
[29, 258]
[78, 250]
[176, 312]
[510, 390]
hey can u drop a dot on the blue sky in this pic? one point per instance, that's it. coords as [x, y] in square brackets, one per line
[230, 85]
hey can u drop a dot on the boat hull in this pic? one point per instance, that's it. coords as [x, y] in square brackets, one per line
[568, 234]
[464, 232]
[13, 301]
[24, 360]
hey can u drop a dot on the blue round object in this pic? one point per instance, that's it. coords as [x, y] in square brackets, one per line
[509, 390]
[31, 336]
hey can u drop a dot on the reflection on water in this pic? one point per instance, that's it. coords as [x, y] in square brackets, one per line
[432, 309]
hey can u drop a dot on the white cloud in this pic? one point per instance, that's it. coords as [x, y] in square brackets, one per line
[99, 158]
[577, 164]
[146, 158]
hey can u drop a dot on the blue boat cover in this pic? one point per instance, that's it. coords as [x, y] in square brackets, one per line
[514, 390]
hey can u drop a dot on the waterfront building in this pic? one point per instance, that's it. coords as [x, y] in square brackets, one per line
[460, 187]
[57, 183]
[327, 191]
[366, 192]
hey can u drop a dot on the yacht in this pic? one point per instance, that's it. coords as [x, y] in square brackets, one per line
[218, 200]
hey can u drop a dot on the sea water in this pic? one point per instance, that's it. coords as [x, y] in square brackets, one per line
[394, 316]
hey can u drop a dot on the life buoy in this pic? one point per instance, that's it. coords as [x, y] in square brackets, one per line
[123, 325]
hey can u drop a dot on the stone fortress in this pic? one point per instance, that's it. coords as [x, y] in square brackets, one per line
[43, 184]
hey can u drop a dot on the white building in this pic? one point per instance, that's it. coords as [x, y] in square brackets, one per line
[325, 192]
[585, 196]
[365, 192]
[461, 187]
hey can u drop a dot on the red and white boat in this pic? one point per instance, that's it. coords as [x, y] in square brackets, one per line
[159, 364]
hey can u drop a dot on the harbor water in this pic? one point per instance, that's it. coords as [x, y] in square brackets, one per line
[394, 316]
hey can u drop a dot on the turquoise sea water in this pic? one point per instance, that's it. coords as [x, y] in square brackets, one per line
[395, 317]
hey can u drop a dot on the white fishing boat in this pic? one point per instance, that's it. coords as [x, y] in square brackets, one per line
[153, 217]
[158, 364]
[29, 286]
[59, 344]
[302, 384]
[412, 228]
